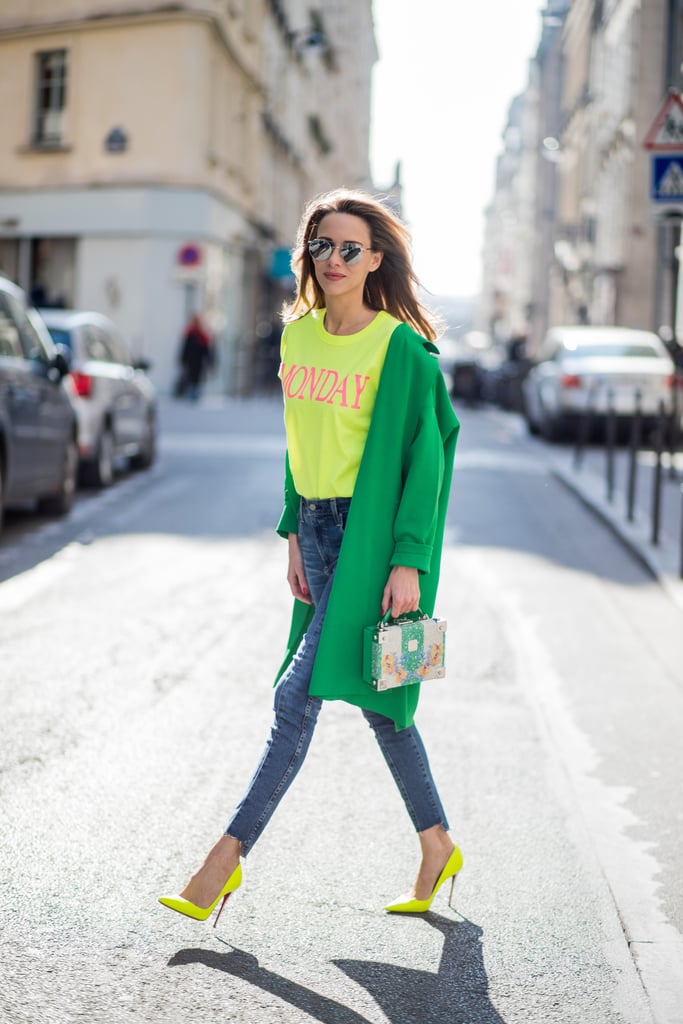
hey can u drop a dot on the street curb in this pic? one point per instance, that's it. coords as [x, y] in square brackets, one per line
[631, 535]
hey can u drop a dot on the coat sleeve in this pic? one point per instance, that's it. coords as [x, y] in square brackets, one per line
[417, 515]
[289, 520]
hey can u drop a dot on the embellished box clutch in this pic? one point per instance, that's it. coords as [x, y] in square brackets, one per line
[404, 651]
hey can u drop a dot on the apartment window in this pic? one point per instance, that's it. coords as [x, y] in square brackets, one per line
[48, 129]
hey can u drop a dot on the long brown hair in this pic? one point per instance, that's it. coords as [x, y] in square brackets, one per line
[391, 287]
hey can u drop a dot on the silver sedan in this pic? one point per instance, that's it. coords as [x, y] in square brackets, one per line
[114, 398]
[599, 368]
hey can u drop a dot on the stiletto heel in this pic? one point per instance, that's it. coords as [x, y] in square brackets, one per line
[450, 897]
[413, 906]
[220, 909]
[189, 909]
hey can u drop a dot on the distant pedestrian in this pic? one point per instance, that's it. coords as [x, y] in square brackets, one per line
[196, 359]
[370, 440]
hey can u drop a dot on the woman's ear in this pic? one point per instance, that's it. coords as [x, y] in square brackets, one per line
[377, 258]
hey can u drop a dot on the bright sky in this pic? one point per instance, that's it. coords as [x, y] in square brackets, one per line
[446, 75]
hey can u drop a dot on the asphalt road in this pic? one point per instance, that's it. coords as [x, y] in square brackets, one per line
[139, 639]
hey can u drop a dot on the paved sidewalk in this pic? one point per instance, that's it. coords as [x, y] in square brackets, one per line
[588, 480]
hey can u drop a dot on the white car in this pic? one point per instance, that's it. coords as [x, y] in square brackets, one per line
[596, 367]
[115, 399]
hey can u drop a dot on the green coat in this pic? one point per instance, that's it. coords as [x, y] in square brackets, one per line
[396, 517]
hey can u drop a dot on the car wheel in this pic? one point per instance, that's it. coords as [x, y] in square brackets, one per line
[100, 472]
[148, 447]
[61, 502]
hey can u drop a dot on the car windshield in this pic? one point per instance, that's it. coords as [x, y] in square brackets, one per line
[637, 351]
[61, 336]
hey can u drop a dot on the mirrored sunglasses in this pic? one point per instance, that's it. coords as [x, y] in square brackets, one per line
[321, 249]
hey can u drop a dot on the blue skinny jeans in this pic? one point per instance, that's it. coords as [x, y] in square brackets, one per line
[321, 528]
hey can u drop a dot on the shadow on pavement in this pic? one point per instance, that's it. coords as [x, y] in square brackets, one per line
[457, 992]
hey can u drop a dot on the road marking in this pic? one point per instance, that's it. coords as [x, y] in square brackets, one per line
[222, 444]
[509, 462]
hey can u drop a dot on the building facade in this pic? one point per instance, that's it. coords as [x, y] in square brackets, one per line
[599, 252]
[614, 87]
[155, 158]
[509, 225]
[547, 69]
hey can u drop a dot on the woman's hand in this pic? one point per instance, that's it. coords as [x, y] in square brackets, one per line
[295, 572]
[402, 592]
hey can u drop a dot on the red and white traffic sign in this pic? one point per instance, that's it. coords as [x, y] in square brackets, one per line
[666, 133]
[190, 265]
[189, 255]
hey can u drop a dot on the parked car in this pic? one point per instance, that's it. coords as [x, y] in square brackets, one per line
[115, 399]
[584, 366]
[38, 425]
[505, 372]
[459, 361]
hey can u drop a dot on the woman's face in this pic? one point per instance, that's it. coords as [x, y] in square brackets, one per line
[335, 277]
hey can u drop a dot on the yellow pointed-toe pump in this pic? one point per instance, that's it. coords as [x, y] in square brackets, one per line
[413, 906]
[183, 906]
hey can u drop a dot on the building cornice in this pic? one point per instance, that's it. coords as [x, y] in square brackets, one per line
[170, 12]
[13, 194]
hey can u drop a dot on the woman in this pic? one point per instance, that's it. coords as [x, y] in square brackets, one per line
[370, 440]
[196, 358]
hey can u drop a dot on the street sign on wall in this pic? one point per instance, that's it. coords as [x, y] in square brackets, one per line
[665, 143]
[667, 179]
[666, 133]
[189, 255]
[189, 263]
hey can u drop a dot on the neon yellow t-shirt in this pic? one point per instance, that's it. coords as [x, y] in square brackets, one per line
[329, 383]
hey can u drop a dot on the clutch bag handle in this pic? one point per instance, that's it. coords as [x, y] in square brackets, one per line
[387, 619]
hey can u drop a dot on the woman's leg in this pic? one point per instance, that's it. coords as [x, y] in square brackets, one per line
[407, 759]
[296, 714]
[321, 529]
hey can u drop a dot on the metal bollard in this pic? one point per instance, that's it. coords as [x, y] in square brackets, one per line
[610, 441]
[634, 448]
[675, 426]
[657, 491]
[584, 430]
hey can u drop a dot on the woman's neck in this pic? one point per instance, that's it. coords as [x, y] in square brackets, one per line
[347, 318]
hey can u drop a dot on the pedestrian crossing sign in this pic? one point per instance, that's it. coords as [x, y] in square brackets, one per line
[666, 133]
[667, 179]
